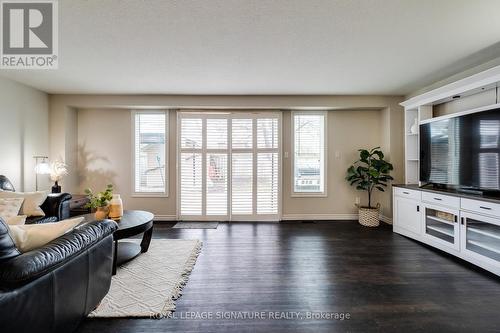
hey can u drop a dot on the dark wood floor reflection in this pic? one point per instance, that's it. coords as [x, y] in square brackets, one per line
[384, 281]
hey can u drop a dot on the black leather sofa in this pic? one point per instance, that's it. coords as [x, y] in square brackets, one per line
[56, 206]
[52, 288]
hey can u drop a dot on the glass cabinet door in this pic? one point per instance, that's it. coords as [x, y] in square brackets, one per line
[482, 237]
[441, 225]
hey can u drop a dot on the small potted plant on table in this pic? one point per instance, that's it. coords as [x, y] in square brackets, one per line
[100, 202]
[370, 172]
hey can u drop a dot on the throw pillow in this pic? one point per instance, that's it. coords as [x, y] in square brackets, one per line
[31, 236]
[10, 207]
[32, 201]
[16, 220]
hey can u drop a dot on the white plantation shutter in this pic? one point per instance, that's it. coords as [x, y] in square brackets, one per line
[267, 166]
[242, 183]
[216, 189]
[217, 133]
[309, 163]
[150, 158]
[267, 133]
[242, 133]
[191, 166]
[267, 183]
[191, 133]
[229, 165]
[242, 167]
[191, 180]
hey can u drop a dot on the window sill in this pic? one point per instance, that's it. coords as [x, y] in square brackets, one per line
[309, 195]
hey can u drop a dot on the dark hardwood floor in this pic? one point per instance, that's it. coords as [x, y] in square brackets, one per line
[385, 281]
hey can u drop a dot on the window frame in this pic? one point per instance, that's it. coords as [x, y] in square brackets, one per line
[229, 115]
[324, 193]
[134, 193]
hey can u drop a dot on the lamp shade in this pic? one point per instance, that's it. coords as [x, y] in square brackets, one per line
[42, 168]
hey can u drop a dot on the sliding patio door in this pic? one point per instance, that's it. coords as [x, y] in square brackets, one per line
[229, 166]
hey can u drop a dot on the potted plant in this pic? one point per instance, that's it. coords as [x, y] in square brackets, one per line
[369, 173]
[100, 202]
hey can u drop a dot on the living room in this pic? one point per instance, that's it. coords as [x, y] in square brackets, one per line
[249, 166]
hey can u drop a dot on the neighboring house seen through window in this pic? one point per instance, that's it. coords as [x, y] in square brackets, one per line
[150, 152]
[309, 158]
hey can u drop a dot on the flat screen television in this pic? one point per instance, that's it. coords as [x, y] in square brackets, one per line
[462, 151]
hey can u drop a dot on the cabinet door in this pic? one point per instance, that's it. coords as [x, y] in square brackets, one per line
[441, 225]
[408, 215]
[481, 238]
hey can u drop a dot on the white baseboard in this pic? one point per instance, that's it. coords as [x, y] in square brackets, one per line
[331, 217]
[386, 219]
[308, 217]
[297, 217]
[165, 218]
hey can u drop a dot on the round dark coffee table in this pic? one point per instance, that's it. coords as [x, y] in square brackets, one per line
[132, 223]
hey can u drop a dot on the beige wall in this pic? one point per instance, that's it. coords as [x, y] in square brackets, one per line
[24, 115]
[101, 133]
[348, 131]
[63, 140]
[105, 157]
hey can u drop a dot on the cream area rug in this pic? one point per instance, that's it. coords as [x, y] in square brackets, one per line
[148, 285]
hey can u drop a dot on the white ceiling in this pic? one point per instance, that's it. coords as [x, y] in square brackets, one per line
[265, 47]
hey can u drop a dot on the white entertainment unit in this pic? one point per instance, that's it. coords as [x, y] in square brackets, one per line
[463, 225]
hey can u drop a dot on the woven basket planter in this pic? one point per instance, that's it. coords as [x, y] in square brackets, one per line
[369, 217]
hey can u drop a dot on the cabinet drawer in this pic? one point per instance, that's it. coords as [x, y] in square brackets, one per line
[481, 207]
[405, 193]
[440, 199]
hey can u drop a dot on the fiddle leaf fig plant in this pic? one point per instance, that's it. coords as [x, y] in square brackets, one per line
[370, 172]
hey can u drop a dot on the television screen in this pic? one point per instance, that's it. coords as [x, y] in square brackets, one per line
[462, 151]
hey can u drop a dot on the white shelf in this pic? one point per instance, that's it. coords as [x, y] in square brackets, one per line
[441, 230]
[484, 246]
[435, 218]
[411, 145]
[485, 233]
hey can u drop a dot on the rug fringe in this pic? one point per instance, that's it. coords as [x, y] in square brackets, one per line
[170, 306]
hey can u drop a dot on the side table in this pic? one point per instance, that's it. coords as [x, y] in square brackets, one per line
[77, 205]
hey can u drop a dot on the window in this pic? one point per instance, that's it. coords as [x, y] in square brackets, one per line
[150, 152]
[309, 153]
